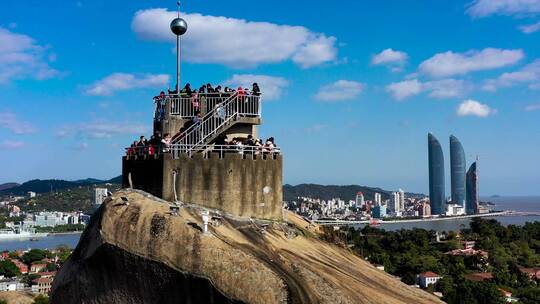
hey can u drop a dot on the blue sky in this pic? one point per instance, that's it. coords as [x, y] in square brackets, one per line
[352, 87]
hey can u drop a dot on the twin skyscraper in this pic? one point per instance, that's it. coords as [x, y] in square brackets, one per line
[464, 183]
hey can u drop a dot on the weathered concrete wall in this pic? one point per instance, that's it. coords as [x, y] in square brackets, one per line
[146, 173]
[250, 187]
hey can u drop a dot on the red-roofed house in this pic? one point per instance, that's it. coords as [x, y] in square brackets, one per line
[35, 268]
[507, 295]
[22, 266]
[479, 276]
[48, 274]
[42, 285]
[427, 278]
[5, 255]
[533, 273]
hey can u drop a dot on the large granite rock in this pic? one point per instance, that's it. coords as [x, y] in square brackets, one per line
[140, 252]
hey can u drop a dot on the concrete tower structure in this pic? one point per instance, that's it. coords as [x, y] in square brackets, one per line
[436, 176]
[198, 165]
[457, 171]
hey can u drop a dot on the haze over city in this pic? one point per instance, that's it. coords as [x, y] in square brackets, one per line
[350, 90]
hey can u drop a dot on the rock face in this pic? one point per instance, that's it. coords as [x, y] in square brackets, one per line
[139, 252]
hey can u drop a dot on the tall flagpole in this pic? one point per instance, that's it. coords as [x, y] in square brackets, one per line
[178, 27]
[178, 54]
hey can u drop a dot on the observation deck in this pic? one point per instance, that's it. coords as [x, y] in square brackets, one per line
[199, 166]
[197, 120]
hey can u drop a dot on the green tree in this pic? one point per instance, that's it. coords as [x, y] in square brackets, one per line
[529, 295]
[27, 279]
[63, 252]
[35, 255]
[41, 299]
[51, 267]
[9, 269]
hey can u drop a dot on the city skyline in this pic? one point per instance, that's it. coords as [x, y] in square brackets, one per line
[349, 100]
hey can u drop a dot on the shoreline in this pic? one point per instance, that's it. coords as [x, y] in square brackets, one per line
[434, 219]
[65, 233]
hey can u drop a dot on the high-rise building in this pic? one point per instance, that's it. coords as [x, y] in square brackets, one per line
[471, 206]
[378, 199]
[359, 199]
[457, 171]
[436, 176]
[99, 195]
[424, 209]
[378, 212]
[395, 202]
[401, 200]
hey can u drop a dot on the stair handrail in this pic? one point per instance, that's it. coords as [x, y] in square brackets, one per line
[196, 134]
[208, 114]
[220, 116]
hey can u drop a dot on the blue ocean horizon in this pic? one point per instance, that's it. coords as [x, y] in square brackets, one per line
[515, 203]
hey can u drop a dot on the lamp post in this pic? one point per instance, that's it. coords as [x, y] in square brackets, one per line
[179, 28]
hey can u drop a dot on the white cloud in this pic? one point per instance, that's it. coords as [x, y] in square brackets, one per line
[529, 74]
[10, 144]
[471, 107]
[530, 28]
[533, 107]
[484, 8]
[394, 59]
[22, 58]
[271, 87]
[9, 121]
[340, 90]
[450, 63]
[124, 81]
[101, 129]
[404, 89]
[237, 42]
[445, 88]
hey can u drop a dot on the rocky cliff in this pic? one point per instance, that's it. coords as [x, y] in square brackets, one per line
[137, 251]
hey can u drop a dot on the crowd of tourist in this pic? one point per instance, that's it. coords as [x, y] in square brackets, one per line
[218, 91]
[158, 144]
[195, 95]
[251, 145]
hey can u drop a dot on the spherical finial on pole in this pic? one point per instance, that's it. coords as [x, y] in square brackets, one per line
[179, 26]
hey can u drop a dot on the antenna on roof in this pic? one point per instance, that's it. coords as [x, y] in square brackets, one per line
[179, 28]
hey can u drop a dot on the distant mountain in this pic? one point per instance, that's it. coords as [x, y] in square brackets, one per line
[115, 180]
[46, 185]
[347, 192]
[89, 181]
[8, 186]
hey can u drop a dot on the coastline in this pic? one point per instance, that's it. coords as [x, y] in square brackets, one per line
[431, 219]
[65, 233]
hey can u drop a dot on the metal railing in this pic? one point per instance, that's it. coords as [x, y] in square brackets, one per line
[190, 150]
[187, 107]
[221, 115]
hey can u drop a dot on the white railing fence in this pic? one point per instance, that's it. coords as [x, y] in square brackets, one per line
[221, 115]
[206, 150]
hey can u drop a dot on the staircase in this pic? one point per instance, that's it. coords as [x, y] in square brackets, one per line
[216, 121]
